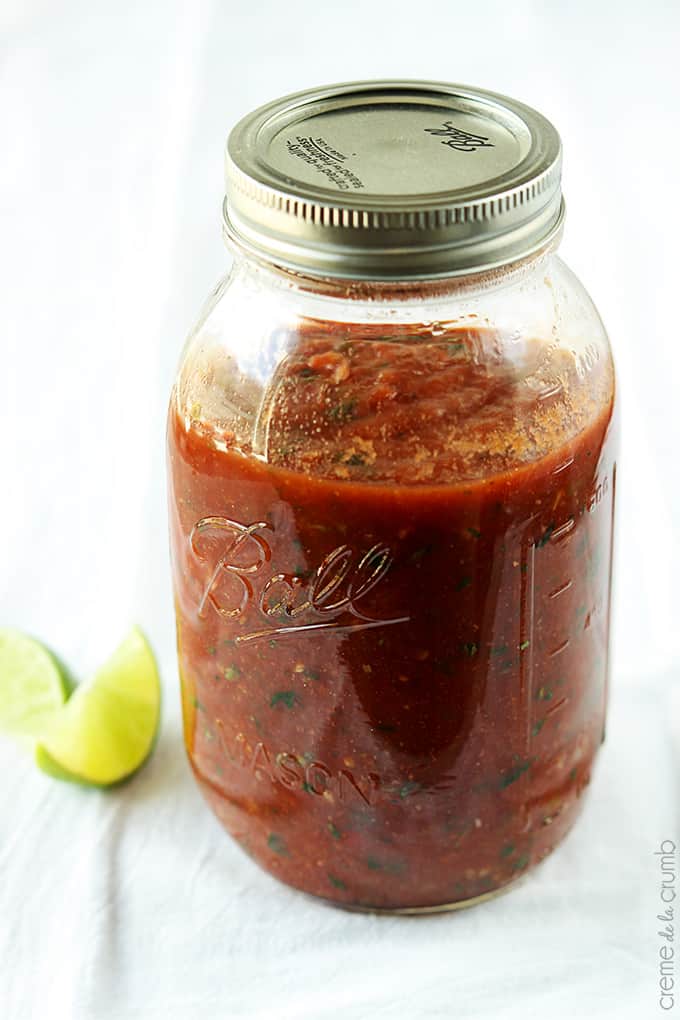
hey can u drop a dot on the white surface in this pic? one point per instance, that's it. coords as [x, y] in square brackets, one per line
[113, 117]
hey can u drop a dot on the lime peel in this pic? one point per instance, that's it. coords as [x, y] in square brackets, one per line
[107, 729]
[33, 685]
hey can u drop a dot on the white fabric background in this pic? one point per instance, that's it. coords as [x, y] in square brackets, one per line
[113, 118]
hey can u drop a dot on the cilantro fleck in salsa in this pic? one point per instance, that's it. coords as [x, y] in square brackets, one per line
[392, 464]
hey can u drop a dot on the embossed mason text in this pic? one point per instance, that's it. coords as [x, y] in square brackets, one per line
[305, 774]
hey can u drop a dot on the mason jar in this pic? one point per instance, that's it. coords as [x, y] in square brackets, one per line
[392, 462]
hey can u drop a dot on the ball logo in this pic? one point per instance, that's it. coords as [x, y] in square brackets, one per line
[461, 141]
[240, 577]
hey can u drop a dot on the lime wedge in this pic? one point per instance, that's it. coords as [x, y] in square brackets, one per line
[107, 728]
[32, 685]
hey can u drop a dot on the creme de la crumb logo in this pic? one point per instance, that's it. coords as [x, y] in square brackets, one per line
[456, 138]
[668, 929]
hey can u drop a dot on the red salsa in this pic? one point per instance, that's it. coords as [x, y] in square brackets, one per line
[392, 605]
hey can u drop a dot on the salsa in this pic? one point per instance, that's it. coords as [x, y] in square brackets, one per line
[392, 590]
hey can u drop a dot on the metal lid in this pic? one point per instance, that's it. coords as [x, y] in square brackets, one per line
[393, 180]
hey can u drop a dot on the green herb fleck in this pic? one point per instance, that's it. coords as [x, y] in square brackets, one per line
[406, 789]
[420, 554]
[307, 373]
[455, 346]
[507, 850]
[474, 532]
[232, 672]
[464, 583]
[212, 650]
[312, 674]
[336, 882]
[287, 698]
[390, 867]
[544, 694]
[277, 844]
[342, 412]
[514, 773]
[524, 645]
[307, 788]
[545, 537]
[537, 727]
[197, 704]
[334, 830]
[209, 735]
[521, 863]
[470, 649]
[572, 774]
[356, 460]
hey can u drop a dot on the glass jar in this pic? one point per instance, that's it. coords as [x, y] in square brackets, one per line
[392, 471]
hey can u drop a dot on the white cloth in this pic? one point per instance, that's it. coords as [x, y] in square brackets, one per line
[133, 905]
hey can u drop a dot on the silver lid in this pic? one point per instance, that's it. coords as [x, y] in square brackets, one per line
[393, 180]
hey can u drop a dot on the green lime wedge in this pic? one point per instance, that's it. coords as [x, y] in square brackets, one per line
[32, 685]
[107, 728]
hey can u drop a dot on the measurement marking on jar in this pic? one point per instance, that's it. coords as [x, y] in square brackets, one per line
[598, 494]
[526, 632]
[556, 706]
[559, 649]
[563, 466]
[563, 530]
[586, 360]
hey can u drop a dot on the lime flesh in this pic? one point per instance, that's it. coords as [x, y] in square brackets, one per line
[32, 685]
[107, 728]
